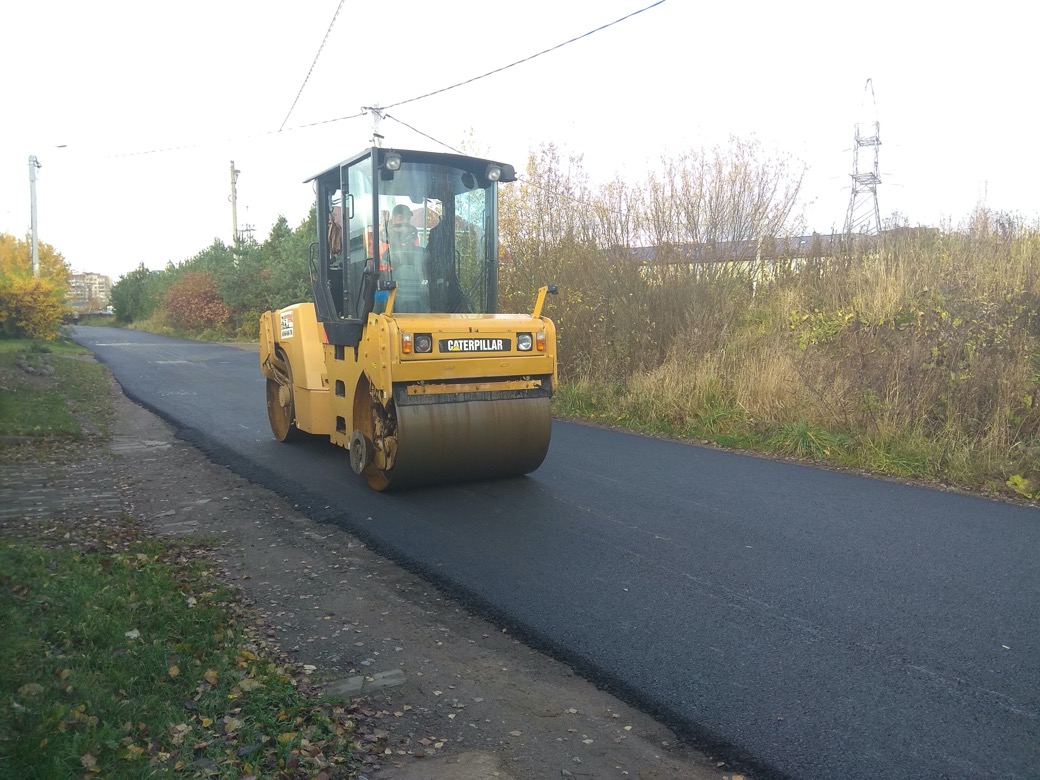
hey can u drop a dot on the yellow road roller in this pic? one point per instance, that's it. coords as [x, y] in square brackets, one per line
[402, 358]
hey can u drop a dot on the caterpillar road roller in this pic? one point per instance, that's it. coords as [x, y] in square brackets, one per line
[402, 358]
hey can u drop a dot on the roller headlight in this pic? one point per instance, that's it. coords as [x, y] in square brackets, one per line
[423, 342]
[524, 342]
[493, 173]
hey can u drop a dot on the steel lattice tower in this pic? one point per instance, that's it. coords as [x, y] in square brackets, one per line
[864, 217]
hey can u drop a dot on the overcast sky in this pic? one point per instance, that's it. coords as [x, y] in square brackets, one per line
[135, 110]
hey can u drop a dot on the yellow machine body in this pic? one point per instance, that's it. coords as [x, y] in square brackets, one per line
[418, 377]
[422, 418]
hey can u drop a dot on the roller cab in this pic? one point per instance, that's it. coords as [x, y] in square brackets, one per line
[402, 358]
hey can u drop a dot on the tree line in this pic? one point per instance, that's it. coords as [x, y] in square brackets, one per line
[222, 291]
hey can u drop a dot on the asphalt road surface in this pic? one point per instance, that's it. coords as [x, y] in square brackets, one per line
[802, 622]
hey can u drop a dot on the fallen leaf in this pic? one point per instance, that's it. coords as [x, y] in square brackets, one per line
[174, 671]
[135, 634]
[88, 761]
[210, 676]
[30, 690]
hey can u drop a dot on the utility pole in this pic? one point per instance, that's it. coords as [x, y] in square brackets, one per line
[234, 205]
[33, 165]
[377, 115]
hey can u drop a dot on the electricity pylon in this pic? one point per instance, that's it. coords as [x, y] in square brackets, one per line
[864, 216]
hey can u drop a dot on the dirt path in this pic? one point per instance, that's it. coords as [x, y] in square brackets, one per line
[451, 696]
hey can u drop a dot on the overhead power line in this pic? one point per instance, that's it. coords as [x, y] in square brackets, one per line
[424, 135]
[525, 59]
[520, 177]
[237, 139]
[401, 102]
[309, 72]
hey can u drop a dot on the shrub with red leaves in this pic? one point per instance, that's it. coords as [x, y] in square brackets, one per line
[192, 302]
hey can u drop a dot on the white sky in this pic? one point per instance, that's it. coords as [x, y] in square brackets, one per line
[113, 81]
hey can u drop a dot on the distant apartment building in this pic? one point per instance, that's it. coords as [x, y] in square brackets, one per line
[89, 293]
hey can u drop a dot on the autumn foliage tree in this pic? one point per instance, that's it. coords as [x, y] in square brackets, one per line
[31, 306]
[16, 261]
[193, 303]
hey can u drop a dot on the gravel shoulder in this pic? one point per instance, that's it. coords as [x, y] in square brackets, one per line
[448, 695]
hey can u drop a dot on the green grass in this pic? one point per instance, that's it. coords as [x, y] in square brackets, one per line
[125, 657]
[906, 454]
[133, 663]
[806, 441]
[67, 395]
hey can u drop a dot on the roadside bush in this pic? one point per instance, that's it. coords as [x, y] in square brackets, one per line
[31, 308]
[193, 303]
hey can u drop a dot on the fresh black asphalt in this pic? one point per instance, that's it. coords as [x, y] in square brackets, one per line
[800, 622]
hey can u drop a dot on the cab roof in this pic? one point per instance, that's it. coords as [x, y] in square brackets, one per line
[475, 165]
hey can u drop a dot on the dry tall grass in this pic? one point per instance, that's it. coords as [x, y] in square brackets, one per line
[915, 353]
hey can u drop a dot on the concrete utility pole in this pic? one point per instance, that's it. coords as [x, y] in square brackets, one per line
[234, 204]
[33, 165]
[377, 116]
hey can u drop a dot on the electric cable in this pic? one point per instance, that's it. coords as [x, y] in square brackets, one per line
[409, 100]
[525, 59]
[520, 177]
[420, 132]
[239, 139]
[309, 72]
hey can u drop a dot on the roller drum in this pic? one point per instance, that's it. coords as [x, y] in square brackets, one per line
[469, 440]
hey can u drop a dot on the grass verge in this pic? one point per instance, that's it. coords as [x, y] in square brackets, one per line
[124, 656]
[908, 455]
[134, 660]
[52, 390]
